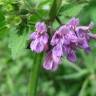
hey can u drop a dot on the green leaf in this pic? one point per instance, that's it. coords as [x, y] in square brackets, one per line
[89, 13]
[71, 65]
[77, 75]
[93, 14]
[84, 19]
[17, 44]
[73, 10]
[89, 61]
[69, 10]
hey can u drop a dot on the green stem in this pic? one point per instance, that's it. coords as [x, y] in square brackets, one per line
[83, 89]
[59, 21]
[35, 74]
[54, 9]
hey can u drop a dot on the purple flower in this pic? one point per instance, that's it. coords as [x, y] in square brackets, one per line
[49, 63]
[33, 36]
[58, 36]
[71, 56]
[56, 39]
[69, 53]
[71, 38]
[68, 38]
[64, 42]
[39, 38]
[57, 52]
[62, 38]
[86, 29]
[37, 46]
[73, 23]
[83, 37]
[84, 44]
[41, 27]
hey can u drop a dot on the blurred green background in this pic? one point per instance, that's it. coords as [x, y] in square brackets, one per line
[17, 20]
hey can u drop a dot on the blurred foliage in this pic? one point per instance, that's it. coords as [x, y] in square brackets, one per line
[17, 20]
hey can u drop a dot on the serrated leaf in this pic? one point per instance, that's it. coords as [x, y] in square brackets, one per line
[17, 44]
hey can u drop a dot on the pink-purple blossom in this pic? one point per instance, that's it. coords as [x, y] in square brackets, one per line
[39, 38]
[65, 41]
[49, 62]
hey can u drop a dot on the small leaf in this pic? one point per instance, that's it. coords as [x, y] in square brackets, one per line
[74, 75]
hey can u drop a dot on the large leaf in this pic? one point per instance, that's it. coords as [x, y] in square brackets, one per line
[72, 9]
[88, 13]
[69, 10]
[17, 43]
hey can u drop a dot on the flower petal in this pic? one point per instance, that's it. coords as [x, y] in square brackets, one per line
[37, 46]
[49, 63]
[71, 56]
[57, 50]
[44, 38]
[41, 27]
[63, 30]
[33, 36]
[73, 22]
[55, 39]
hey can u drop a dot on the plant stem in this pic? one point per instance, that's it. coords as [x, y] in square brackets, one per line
[83, 89]
[59, 21]
[54, 9]
[34, 74]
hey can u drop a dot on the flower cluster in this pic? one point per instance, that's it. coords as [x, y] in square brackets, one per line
[64, 42]
[39, 38]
